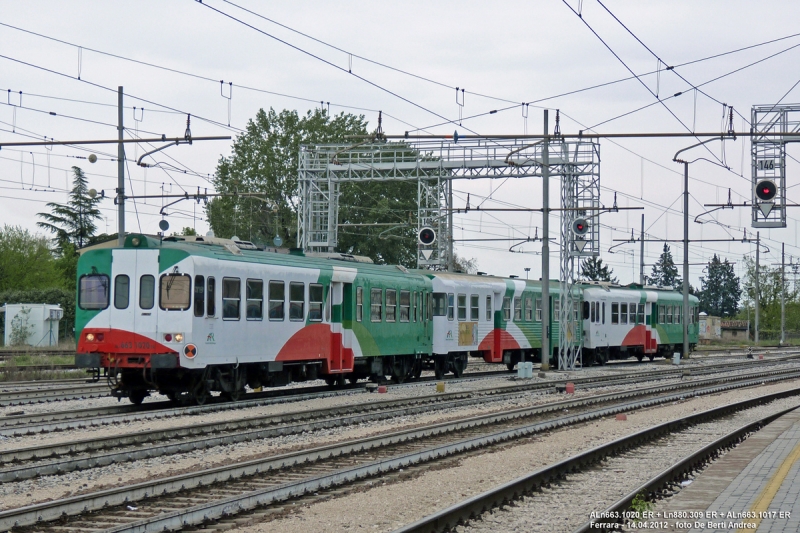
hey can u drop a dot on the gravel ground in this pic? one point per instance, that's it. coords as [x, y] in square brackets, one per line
[51, 487]
[388, 506]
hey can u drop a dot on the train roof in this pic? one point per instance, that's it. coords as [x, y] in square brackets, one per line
[230, 250]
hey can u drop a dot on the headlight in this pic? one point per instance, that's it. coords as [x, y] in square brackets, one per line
[179, 337]
[90, 337]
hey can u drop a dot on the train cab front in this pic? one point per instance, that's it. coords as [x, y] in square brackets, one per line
[116, 319]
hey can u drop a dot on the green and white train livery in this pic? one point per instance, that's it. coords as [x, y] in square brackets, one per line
[187, 316]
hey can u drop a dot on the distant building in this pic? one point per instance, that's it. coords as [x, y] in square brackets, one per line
[710, 328]
[40, 322]
[735, 330]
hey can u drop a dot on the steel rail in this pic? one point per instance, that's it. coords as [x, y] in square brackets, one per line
[39, 513]
[155, 443]
[63, 420]
[22, 424]
[679, 471]
[51, 395]
[473, 507]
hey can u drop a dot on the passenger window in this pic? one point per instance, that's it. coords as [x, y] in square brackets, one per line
[376, 305]
[231, 297]
[506, 308]
[199, 295]
[211, 297]
[176, 292]
[488, 308]
[359, 304]
[255, 299]
[297, 301]
[147, 291]
[640, 314]
[462, 306]
[450, 306]
[615, 313]
[604, 312]
[557, 310]
[405, 306]
[529, 308]
[517, 309]
[474, 310]
[669, 314]
[632, 312]
[592, 311]
[315, 300]
[414, 305]
[93, 292]
[277, 298]
[439, 304]
[538, 309]
[122, 287]
[391, 305]
[623, 313]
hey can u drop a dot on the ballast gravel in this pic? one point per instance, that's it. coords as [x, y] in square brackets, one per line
[391, 504]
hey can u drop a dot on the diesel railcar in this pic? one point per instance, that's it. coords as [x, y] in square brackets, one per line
[187, 316]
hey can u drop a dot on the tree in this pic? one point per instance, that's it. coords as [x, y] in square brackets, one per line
[462, 264]
[593, 269]
[73, 222]
[719, 290]
[26, 261]
[665, 273]
[265, 159]
[769, 294]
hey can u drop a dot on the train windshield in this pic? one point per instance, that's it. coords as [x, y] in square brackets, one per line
[93, 291]
[176, 291]
[439, 304]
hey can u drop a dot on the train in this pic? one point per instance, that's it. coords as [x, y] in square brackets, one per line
[188, 316]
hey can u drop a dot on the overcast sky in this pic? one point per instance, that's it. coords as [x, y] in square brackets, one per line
[502, 53]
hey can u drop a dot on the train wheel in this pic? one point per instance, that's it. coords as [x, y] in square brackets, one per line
[417, 372]
[459, 364]
[640, 357]
[651, 356]
[510, 366]
[440, 366]
[137, 396]
[402, 368]
[201, 396]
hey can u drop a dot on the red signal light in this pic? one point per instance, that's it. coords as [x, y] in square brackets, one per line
[766, 190]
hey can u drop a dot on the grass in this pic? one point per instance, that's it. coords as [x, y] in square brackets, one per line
[14, 367]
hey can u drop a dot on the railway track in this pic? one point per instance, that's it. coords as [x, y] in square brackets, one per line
[695, 439]
[195, 498]
[30, 462]
[78, 418]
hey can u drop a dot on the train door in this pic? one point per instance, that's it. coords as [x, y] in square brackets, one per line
[146, 302]
[650, 346]
[341, 296]
[122, 306]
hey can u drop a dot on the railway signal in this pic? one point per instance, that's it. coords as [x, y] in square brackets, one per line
[765, 192]
[426, 236]
[580, 227]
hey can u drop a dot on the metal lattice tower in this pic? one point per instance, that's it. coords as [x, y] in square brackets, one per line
[769, 159]
[433, 164]
[580, 198]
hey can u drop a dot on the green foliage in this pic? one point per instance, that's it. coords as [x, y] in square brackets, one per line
[593, 269]
[64, 297]
[640, 505]
[769, 295]
[187, 231]
[719, 290]
[20, 327]
[265, 159]
[26, 261]
[665, 273]
[73, 222]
